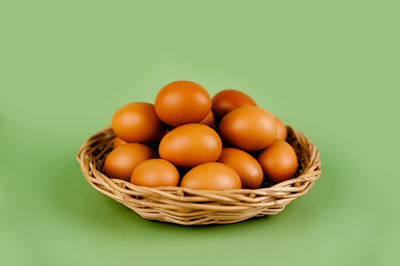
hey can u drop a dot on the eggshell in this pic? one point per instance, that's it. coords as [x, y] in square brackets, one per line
[249, 128]
[281, 131]
[211, 176]
[278, 161]
[182, 102]
[121, 162]
[137, 122]
[228, 100]
[155, 173]
[190, 145]
[118, 142]
[208, 120]
[249, 170]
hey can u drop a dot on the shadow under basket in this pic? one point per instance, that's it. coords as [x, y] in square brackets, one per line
[200, 207]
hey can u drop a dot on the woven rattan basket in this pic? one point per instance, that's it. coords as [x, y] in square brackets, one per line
[199, 207]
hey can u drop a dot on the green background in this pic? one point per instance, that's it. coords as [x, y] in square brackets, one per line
[328, 68]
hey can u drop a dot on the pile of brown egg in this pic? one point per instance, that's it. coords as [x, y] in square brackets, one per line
[188, 139]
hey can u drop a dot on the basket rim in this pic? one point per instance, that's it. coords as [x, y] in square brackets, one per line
[303, 177]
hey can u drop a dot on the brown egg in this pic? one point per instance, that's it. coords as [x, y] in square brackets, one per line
[190, 145]
[249, 170]
[209, 120]
[118, 142]
[155, 173]
[211, 176]
[228, 100]
[279, 161]
[137, 122]
[182, 102]
[121, 162]
[249, 128]
[281, 131]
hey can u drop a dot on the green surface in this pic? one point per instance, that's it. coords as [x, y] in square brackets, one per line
[330, 69]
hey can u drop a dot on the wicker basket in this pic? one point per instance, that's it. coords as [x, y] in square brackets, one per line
[199, 207]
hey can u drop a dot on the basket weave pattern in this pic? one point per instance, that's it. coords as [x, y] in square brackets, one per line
[199, 207]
